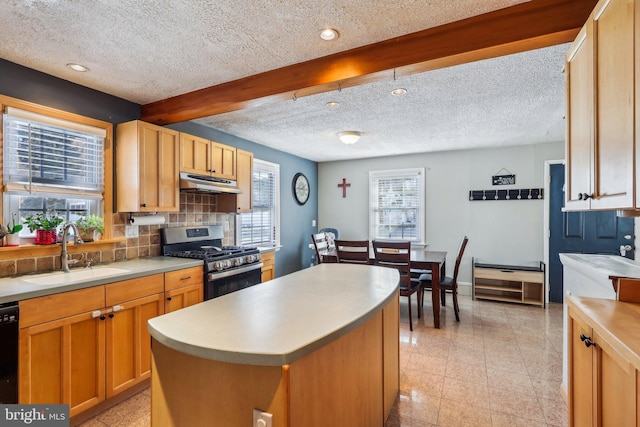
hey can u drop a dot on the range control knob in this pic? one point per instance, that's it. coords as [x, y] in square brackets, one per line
[218, 265]
[238, 261]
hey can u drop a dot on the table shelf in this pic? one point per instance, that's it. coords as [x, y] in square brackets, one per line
[508, 283]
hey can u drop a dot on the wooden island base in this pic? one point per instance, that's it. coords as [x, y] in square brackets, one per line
[351, 381]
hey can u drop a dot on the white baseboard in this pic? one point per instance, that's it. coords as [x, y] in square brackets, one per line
[464, 288]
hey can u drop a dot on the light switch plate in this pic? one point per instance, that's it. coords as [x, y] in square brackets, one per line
[131, 231]
[262, 419]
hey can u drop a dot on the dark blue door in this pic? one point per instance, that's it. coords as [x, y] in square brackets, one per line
[600, 232]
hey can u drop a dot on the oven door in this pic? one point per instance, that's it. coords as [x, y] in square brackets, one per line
[227, 281]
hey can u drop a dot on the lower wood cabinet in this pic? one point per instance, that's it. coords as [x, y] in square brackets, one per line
[82, 347]
[183, 288]
[268, 260]
[602, 380]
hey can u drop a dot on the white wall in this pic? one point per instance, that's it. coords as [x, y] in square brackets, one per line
[505, 232]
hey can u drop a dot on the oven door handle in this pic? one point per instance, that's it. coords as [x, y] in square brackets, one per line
[234, 271]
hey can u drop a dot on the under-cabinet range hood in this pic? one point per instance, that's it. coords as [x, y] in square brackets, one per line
[206, 184]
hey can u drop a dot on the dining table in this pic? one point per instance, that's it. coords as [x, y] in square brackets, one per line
[422, 261]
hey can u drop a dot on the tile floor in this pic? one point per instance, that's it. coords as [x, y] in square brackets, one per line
[500, 366]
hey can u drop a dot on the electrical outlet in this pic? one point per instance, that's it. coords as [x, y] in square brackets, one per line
[131, 231]
[262, 419]
[313, 222]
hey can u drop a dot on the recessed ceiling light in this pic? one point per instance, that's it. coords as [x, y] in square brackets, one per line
[332, 104]
[328, 34]
[78, 67]
[399, 91]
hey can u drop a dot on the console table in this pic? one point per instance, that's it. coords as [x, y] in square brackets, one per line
[510, 283]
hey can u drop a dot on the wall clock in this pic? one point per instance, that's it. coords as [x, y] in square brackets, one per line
[300, 187]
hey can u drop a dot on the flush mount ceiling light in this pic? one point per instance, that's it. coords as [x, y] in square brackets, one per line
[332, 104]
[349, 136]
[328, 34]
[78, 67]
[399, 91]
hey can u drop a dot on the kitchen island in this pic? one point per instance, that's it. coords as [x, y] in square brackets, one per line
[317, 347]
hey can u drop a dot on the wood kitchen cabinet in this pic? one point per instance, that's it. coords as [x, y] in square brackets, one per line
[268, 260]
[147, 168]
[203, 157]
[602, 379]
[240, 203]
[82, 347]
[128, 343]
[600, 77]
[183, 288]
[62, 357]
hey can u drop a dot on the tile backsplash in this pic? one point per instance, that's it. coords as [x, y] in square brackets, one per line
[195, 209]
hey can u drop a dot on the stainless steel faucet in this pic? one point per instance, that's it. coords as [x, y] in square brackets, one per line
[64, 255]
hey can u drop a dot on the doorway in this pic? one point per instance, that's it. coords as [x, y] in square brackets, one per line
[590, 232]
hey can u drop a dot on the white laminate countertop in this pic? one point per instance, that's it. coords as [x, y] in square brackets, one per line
[604, 266]
[282, 320]
[36, 285]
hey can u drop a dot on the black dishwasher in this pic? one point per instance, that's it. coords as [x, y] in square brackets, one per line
[9, 353]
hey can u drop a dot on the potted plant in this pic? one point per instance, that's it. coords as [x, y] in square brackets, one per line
[45, 226]
[13, 239]
[90, 227]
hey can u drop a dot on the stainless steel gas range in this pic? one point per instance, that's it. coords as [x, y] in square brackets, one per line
[226, 268]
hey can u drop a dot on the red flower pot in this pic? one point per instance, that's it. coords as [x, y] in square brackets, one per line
[44, 237]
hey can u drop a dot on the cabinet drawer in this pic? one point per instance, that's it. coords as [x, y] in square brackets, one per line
[179, 278]
[514, 275]
[128, 290]
[268, 258]
[52, 307]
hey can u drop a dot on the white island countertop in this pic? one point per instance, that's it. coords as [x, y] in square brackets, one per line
[280, 321]
[599, 269]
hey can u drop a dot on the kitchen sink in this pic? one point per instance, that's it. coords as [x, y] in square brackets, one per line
[78, 275]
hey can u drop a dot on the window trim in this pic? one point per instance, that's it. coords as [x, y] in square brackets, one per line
[390, 173]
[107, 195]
[275, 166]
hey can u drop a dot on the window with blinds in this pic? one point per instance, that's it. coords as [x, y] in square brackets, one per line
[397, 205]
[48, 155]
[261, 227]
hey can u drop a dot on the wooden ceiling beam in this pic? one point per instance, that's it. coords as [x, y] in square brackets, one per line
[530, 25]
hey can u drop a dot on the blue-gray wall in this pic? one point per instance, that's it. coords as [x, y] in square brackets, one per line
[30, 85]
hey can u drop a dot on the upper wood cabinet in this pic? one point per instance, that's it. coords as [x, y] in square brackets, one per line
[209, 158]
[239, 203]
[600, 72]
[147, 168]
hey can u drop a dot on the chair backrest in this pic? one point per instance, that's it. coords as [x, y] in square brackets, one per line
[352, 251]
[394, 255]
[320, 245]
[463, 245]
[335, 231]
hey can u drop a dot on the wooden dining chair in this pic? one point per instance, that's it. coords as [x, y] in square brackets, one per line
[398, 255]
[446, 282]
[321, 246]
[352, 251]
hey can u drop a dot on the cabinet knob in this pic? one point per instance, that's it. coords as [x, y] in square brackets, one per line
[169, 298]
[584, 196]
[144, 205]
[587, 340]
[111, 315]
[103, 317]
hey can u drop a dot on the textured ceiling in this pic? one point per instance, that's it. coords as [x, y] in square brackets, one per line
[146, 50]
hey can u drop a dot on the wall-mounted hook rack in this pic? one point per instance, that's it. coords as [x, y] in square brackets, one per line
[515, 194]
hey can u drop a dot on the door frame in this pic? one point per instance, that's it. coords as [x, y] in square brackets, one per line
[545, 224]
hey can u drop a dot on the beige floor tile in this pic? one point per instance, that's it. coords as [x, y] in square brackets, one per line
[500, 419]
[472, 393]
[430, 364]
[418, 406]
[425, 382]
[136, 411]
[555, 412]
[518, 383]
[522, 405]
[459, 414]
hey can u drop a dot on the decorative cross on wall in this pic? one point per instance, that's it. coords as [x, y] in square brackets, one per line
[344, 186]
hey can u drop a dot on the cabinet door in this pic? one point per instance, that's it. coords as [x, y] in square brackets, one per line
[268, 266]
[128, 342]
[195, 154]
[159, 166]
[183, 297]
[245, 174]
[63, 362]
[615, 386]
[223, 161]
[614, 176]
[580, 120]
[581, 378]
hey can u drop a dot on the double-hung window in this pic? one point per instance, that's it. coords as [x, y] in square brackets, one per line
[261, 227]
[51, 164]
[397, 205]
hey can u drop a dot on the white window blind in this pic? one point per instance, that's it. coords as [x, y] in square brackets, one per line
[397, 205]
[261, 227]
[48, 155]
